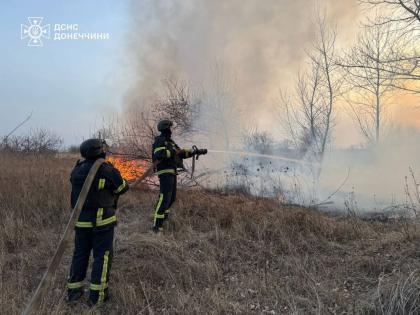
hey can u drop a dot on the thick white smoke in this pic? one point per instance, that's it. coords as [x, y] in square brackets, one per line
[236, 55]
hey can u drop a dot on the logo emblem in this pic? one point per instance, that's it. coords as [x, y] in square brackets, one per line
[35, 31]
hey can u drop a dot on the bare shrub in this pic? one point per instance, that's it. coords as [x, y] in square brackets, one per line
[258, 142]
[38, 141]
[178, 105]
[136, 135]
[133, 134]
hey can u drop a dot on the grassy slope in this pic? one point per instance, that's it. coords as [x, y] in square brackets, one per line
[220, 254]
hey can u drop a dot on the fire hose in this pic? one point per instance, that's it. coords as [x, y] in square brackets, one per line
[55, 261]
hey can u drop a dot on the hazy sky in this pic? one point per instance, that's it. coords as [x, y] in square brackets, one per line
[69, 85]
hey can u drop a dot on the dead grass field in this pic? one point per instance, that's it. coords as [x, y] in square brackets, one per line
[220, 254]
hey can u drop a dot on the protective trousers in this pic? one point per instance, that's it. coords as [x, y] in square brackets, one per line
[167, 197]
[100, 241]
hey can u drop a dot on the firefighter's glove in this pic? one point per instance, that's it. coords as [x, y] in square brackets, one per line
[180, 152]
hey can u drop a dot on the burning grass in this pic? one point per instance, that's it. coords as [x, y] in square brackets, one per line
[130, 169]
[220, 254]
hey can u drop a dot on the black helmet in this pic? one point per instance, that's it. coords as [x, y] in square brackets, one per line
[164, 125]
[93, 148]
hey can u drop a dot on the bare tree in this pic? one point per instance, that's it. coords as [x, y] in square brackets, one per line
[179, 105]
[325, 49]
[369, 84]
[133, 135]
[302, 111]
[404, 17]
[406, 12]
[309, 112]
[37, 141]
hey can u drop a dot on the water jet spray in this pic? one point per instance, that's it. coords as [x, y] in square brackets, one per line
[268, 156]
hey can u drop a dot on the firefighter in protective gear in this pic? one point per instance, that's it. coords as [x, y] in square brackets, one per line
[166, 156]
[95, 225]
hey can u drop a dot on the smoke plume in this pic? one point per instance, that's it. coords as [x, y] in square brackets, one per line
[236, 55]
[239, 51]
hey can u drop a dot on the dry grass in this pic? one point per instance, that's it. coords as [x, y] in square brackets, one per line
[221, 254]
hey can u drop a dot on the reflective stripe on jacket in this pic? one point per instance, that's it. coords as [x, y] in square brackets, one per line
[99, 208]
[164, 151]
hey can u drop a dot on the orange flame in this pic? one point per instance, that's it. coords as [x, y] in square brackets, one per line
[129, 169]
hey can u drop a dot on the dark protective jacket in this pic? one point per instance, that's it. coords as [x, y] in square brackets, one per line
[101, 202]
[164, 154]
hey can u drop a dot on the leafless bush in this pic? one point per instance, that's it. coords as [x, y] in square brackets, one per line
[134, 133]
[178, 105]
[38, 141]
[258, 141]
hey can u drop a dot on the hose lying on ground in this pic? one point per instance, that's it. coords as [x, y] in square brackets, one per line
[55, 261]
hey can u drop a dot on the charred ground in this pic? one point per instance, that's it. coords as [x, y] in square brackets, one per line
[220, 254]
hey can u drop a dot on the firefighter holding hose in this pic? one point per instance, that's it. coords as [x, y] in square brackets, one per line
[167, 156]
[96, 222]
